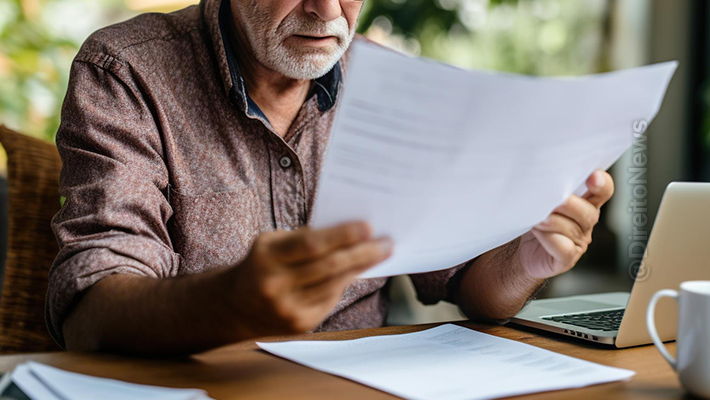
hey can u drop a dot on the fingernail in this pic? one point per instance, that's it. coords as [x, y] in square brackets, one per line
[598, 179]
[365, 230]
[386, 245]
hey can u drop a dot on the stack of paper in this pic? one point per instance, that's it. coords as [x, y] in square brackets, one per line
[447, 363]
[41, 382]
[452, 163]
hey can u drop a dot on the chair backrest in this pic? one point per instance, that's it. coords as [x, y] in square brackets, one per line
[33, 198]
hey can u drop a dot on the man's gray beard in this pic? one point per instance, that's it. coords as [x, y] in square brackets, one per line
[267, 44]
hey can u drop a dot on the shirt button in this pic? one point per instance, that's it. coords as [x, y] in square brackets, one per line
[285, 161]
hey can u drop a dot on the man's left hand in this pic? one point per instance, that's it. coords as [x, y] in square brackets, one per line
[554, 246]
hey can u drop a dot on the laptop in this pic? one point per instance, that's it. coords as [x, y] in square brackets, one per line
[678, 250]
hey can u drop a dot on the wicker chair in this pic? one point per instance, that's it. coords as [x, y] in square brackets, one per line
[33, 199]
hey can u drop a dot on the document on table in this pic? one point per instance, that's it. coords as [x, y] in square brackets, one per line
[451, 163]
[448, 362]
[42, 382]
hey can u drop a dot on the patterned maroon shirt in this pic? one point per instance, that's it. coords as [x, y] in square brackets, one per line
[170, 169]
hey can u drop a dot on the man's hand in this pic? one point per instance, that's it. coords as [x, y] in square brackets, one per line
[288, 283]
[499, 282]
[291, 280]
[555, 245]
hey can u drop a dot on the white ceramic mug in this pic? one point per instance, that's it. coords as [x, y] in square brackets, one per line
[693, 337]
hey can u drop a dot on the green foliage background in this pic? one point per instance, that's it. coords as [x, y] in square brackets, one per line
[32, 63]
[35, 57]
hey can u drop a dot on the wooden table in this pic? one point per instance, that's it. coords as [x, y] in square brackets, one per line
[241, 371]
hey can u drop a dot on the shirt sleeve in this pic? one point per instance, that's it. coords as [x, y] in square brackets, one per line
[433, 287]
[115, 180]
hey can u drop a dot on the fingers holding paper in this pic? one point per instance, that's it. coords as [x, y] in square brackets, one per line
[555, 245]
[293, 279]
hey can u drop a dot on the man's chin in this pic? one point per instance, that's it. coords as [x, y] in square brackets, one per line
[305, 73]
[307, 67]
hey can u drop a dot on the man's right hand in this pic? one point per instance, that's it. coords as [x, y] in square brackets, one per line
[288, 283]
[291, 280]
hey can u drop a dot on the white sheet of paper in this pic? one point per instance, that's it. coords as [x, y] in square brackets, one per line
[451, 163]
[42, 382]
[448, 362]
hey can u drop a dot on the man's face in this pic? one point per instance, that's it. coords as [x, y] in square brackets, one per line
[301, 39]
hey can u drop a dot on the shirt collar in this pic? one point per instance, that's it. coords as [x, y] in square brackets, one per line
[217, 16]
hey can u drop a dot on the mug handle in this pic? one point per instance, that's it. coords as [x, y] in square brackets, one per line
[651, 323]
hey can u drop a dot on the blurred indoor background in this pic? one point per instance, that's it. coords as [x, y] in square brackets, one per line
[39, 38]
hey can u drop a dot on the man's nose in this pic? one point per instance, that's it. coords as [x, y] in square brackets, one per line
[325, 10]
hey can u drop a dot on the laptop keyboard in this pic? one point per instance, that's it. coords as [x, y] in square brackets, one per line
[601, 320]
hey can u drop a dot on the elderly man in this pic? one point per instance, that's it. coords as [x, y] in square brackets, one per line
[192, 144]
